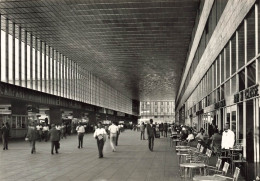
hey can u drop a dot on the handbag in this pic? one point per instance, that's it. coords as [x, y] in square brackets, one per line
[26, 139]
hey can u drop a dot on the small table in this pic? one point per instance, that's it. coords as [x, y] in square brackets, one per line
[191, 166]
[208, 178]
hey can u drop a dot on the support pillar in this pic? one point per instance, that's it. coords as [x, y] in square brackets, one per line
[55, 116]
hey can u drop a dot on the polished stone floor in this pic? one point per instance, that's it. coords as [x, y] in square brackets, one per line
[132, 161]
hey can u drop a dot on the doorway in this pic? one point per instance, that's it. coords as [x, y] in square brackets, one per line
[250, 138]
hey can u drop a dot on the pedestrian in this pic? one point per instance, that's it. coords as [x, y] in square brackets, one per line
[81, 131]
[32, 136]
[100, 136]
[55, 138]
[165, 129]
[63, 131]
[161, 128]
[45, 131]
[5, 134]
[118, 133]
[151, 133]
[58, 127]
[113, 129]
[142, 128]
[39, 132]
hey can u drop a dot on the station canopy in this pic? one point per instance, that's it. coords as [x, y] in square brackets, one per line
[138, 47]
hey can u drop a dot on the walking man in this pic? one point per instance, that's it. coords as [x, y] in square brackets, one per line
[142, 127]
[165, 129]
[100, 135]
[150, 133]
[81, 131]
[5, 134]
[55, 138]
[32, 136]
[113, 129]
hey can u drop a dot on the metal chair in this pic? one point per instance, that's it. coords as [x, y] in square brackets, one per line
[235, 176]
[214, 177]
[215, 169]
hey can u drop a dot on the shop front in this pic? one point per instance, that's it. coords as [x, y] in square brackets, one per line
[246, 126]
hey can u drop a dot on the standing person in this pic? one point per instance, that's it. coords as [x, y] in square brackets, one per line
[161, 128]
[100, 135]
[118, 133]
[165, 129]
[142, 131]
[81, 131]
[32, 136]
[216, 140]
[151, 134]
[45, 131]
[55, 138]
[228, 138]
[63, 131]
[113, 129]
[39, 131]
[5, 134]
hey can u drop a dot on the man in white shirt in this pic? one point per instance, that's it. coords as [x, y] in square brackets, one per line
[81, 131]
[45, 131]
[39, 131]
[228, 138]
[100, 134]
[113, 129]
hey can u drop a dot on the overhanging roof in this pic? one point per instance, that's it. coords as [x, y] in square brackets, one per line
[137, 46]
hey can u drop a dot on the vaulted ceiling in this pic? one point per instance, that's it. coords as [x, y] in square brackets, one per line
[139, 47]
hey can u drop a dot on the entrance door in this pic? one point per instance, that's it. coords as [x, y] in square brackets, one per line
[249, 136]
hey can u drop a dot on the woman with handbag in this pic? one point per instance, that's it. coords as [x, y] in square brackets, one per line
[100, 135]
[32, 136]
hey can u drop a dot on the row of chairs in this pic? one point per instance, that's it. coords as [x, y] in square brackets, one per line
[191, 158]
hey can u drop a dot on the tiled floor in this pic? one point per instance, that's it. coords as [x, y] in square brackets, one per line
[132, 162]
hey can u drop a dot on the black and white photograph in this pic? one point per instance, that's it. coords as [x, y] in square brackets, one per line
[129, 90]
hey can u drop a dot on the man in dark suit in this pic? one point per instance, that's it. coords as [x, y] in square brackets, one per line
[5, 134]
[150, 133]
[55, 138]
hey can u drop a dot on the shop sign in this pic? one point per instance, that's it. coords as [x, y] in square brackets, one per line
[246, 94]
[200, 112]
[220, 104]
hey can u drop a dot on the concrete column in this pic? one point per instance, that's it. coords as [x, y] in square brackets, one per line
[55, 116]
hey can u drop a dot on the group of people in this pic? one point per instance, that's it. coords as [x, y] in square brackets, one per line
[215, 139]
[54, 134]
[101, 133]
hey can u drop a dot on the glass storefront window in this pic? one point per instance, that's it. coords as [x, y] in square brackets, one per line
[227, 89]
[227, 60]
[241, 46]
[222, 93]
[233, 85]
[218, 71]
[251, 74]
[233, 54]
[251, 35]
[222, 70]
[241, 80]
[3, 56]
[10, 59]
